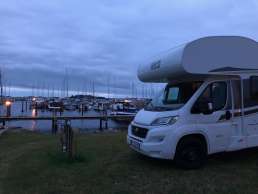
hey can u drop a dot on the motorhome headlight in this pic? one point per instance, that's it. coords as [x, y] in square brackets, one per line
[165, 121]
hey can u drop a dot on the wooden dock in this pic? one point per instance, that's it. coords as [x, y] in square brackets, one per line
[54, 119]
[97, 117]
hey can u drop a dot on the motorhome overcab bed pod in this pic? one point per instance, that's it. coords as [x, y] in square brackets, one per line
[209, 105]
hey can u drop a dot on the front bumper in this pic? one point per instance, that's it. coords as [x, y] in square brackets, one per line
[157, 144]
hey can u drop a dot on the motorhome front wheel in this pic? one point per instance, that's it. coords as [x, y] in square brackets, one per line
[191, 153]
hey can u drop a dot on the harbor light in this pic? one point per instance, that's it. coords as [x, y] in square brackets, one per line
[8, 103]
[34, 99]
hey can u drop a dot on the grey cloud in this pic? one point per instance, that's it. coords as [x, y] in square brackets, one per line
[102, 38]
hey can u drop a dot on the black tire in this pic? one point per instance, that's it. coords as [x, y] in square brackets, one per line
[191, 153]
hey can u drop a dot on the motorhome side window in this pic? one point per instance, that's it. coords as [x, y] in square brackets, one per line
[215, 95]
[251, 92]
[172, 94]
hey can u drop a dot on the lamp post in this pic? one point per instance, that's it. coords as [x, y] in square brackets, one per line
[8, 105]
[35, 105]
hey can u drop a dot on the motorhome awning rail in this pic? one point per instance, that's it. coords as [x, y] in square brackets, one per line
[218, 55]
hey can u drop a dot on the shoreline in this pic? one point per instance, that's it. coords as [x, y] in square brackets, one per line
[75, 130]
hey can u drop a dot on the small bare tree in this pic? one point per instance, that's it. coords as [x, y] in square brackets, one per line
[1, 86]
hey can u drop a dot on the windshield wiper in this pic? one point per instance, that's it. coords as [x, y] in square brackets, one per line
[158, 108]
[163, 108]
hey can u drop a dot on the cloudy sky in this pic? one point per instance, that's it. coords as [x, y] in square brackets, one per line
[103, 41]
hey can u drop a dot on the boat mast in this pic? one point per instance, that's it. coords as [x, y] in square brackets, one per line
[1, 86]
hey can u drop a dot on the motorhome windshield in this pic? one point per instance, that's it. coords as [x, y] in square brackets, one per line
[173, 97]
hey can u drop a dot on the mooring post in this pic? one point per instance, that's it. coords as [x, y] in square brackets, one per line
[26, 105]
[82, 109]
[106, 121]
[106, 124]
[36, 109]
[100, 123]
[54, 123]
[22, 110]
[8, 111]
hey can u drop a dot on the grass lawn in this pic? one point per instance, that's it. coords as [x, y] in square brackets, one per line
[31, 163]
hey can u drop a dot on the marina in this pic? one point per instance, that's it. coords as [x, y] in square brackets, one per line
[84, 112]
[128, 97]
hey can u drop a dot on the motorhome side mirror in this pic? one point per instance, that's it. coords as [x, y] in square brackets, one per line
[210, 106]
[204, 107]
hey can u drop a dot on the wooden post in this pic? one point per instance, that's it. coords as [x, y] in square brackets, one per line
[8, 111]
[54, 125]
[36, 109]
[100, 124]
[26, 105]
[106, 124]
[106, 121]
[53, 122]
[22, 110]
[82, 109]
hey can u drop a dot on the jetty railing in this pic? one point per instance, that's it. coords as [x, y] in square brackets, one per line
[55, 119]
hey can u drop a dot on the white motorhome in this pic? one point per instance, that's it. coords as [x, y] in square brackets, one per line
[209, 105]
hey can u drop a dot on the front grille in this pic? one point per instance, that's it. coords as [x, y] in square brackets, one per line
[139, 131]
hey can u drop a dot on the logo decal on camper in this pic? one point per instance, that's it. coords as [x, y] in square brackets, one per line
[155, 65]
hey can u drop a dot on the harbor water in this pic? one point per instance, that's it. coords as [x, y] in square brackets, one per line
[46, 126]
